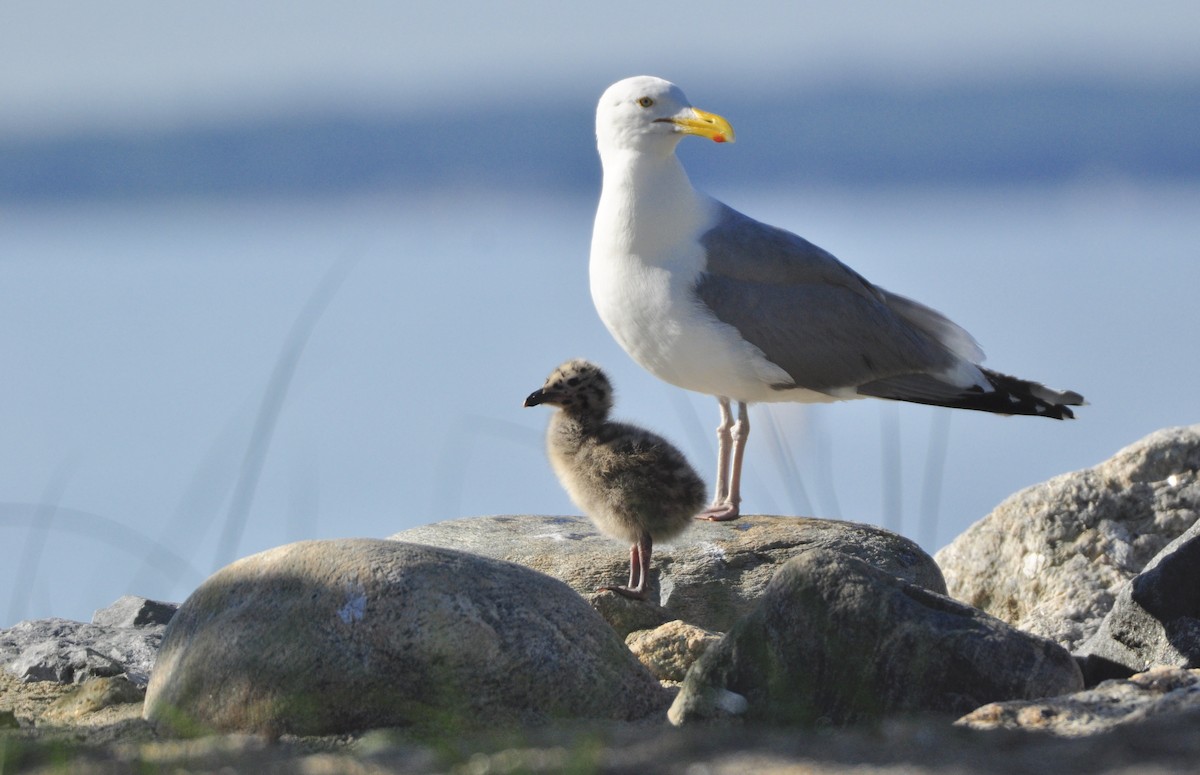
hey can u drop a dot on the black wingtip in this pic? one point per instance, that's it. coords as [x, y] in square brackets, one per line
[1012, 395]
[1008, 395]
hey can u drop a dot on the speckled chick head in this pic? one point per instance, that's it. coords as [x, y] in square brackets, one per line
[579, 388]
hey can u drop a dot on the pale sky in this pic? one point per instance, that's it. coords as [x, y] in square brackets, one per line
[123, 61]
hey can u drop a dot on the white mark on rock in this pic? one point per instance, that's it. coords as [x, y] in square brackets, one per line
[666, 586]
[731, 702]
[559, 536]
[1033, 564]
[1173, 480]
[355, 607]
[713, 550]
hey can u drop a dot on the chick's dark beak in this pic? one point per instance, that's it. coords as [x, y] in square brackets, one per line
[536, 397]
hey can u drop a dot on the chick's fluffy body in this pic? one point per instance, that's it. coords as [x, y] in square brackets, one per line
[626, 479]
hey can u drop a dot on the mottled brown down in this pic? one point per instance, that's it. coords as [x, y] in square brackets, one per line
[633, 484]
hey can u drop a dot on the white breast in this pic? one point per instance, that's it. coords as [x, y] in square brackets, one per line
[643, 287]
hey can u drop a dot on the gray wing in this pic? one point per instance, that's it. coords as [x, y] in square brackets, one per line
[741, 248]
[816, 318]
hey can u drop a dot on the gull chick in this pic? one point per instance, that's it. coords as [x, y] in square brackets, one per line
[633, 484]
[713, 301]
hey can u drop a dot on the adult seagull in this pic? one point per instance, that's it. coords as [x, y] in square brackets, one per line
[713, 301]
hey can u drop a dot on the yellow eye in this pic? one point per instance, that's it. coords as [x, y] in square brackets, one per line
[645, 102]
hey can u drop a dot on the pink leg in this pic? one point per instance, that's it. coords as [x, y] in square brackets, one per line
[741, 434]
[635, 566]
[733, 435]
[721, 507]
[639, 570]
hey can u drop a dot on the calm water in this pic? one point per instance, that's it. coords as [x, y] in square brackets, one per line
[139, 341]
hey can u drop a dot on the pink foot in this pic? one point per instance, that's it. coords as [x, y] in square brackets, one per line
[632, 594]
[724, 512]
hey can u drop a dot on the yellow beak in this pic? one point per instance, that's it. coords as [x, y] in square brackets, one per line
[705, 124]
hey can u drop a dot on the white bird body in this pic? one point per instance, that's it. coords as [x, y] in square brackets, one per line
[642, 277]
[713, 301]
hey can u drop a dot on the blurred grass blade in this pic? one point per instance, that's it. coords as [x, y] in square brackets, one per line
[271, 406]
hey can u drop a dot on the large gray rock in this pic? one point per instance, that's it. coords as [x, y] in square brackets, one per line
[66, 651]
[134, 611]
[707, 577]
[322, 637]
[1052, 558]
[834, 640]
[1156, 618]
[1163, 691]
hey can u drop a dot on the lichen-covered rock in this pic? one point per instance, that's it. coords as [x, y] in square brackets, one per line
[708, 576]
[670, 649]
[626, 615]
[1052, 558]
[1162, 691]
[322, 637]
[1156, 617]
[834, 640]
[93, 695]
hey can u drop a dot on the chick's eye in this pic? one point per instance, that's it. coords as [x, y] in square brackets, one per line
[645, 102]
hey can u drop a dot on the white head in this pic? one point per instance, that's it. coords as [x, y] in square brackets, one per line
[645, 113]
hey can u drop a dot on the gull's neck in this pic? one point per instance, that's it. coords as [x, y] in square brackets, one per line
[646, 196]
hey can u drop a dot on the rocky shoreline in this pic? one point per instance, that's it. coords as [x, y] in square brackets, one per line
[1065, 636]
[117, 740]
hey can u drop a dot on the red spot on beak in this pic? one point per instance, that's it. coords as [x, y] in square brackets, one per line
[718, 138]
